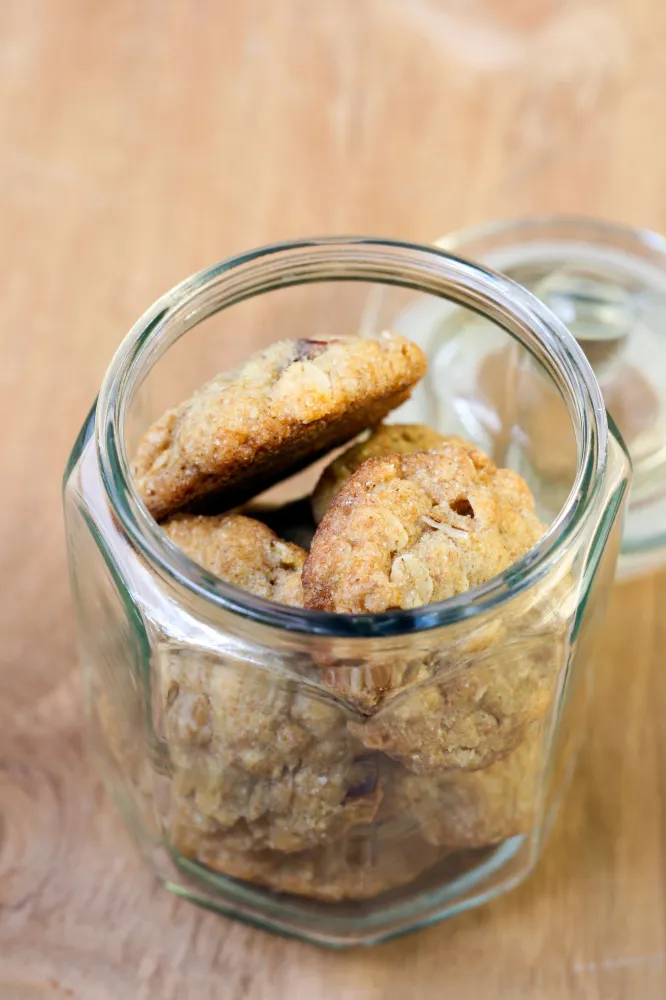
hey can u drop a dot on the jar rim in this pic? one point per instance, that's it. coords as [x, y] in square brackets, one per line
[392, 262]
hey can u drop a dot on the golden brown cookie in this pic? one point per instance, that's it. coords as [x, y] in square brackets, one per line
[387, 439]
[269, 764]
[473, 712]
[243, 552]
[468, 809]
[300, 806]
[409, 530]
[276, 413]
[361, 865]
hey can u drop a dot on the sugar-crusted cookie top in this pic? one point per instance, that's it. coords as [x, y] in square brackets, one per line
[408, 530]
[275, 413]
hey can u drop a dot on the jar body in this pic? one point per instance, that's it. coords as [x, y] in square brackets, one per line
[338, 778]
[256, 776]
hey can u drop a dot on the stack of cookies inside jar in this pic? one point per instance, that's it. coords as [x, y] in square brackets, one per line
[369, 763]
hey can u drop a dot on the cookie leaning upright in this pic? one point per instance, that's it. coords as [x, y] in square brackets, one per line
[408, 530]
[270, 417]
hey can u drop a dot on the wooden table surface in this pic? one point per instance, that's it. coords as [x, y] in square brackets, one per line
[141, 141]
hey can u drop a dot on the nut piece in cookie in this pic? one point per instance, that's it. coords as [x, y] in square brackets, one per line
[275, 414]
[409, 530]
[243, 552]
[387, 439]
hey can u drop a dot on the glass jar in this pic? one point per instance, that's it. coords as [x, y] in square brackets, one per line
[235, 733]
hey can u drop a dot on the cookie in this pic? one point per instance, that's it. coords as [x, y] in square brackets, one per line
[472, 809]
[477, 713]
[258, 758]
[410, 530]
[270, 766]
[387, 439]
[362, 865]
[275, 414]
[306, 804]
[243, 552]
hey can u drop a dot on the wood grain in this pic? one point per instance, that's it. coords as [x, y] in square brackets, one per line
[142, 141]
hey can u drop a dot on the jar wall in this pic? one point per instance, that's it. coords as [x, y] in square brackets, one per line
[115, 660]
[598, 560]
